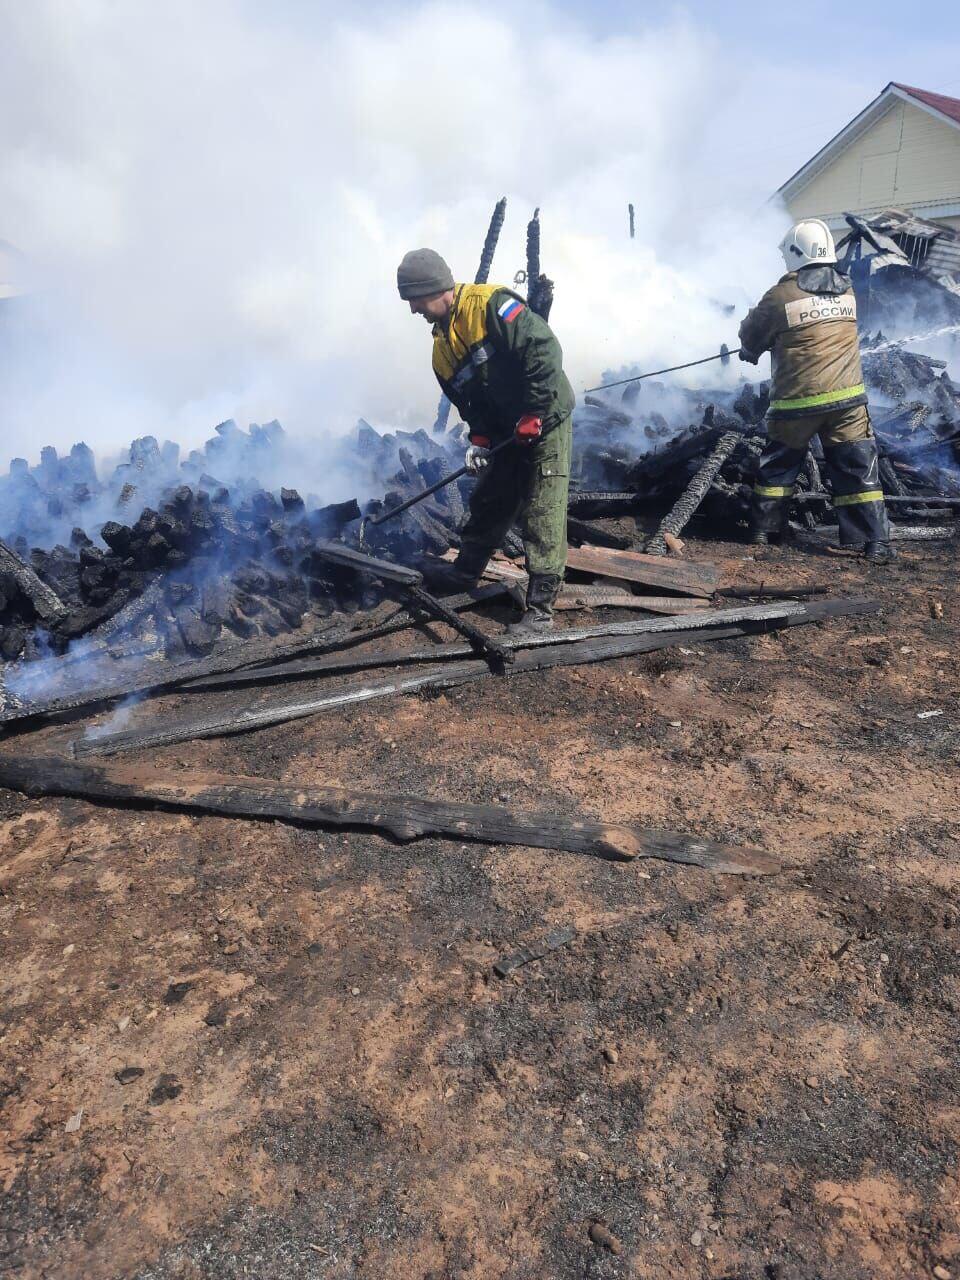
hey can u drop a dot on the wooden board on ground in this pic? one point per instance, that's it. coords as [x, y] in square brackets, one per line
[599, 596]
[681, 576]
[403, 817]
[591, 595]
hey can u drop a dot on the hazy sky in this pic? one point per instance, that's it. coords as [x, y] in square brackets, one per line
[212, 197]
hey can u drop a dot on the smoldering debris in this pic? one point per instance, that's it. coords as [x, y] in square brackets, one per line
[200, 557]
[706, 470]
[905, 270]
[171, 558]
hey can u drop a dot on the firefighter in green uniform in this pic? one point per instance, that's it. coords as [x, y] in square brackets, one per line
[501, 366]
[808, 323]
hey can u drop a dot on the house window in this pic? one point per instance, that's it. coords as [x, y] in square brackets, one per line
[915, 247]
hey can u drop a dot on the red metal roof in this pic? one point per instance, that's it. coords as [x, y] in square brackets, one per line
[946, 106]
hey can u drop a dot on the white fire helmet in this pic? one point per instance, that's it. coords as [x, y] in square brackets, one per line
[807, 244]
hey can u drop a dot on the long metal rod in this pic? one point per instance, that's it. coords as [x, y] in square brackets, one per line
[721, 355]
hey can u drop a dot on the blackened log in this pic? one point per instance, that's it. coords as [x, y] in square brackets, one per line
[921, 532]
[764, 592]
[600, 502]
[491, 241]
[47, 604]
[602, 649]
[613, 417]
[901, 532]
[328, 521]
[402, 817]
[686, 505]
[533, 259]
[131, 614]
[597, 595]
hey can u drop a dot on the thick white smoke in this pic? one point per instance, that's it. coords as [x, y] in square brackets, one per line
[213, 199]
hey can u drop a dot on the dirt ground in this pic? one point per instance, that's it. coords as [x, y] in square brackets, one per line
[232, 1048]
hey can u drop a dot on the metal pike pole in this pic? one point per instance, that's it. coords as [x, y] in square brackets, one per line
[723, 354]
[419, 497]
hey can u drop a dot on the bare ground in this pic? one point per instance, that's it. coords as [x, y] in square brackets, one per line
[743, 1079]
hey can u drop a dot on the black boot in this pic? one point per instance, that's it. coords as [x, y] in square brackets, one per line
[463, 574]
[879, 552]
[542, 591]
[854, 472]
[773, 488]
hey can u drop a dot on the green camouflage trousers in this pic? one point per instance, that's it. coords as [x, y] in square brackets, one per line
[529, 484]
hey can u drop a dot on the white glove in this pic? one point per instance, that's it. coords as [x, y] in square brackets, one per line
[476, 458]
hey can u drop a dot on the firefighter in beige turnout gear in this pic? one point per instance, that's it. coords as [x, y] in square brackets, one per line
[808, 323]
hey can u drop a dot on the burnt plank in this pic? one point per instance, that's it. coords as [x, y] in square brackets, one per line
[309, 667]
[348, 558]
[402, 817]
[597, 595]
[681, 576]
[437, 676]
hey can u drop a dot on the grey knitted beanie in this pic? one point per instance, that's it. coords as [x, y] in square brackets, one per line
[421, 273]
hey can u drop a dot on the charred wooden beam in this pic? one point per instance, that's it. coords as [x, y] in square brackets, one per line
[348, 558]
[601, 502]
[765, 592]
[597, 595]
[311, 667]
[402, 817]
[479, 640]
[686, 505]
[46, 603]
[437, 676]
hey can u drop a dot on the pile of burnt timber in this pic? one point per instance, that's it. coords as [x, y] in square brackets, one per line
[706, 470]
[207, 559]
[169, 561]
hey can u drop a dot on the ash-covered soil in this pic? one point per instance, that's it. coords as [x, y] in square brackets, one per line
[247, 1049]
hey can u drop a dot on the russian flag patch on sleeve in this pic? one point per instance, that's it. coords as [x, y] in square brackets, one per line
[509, 310]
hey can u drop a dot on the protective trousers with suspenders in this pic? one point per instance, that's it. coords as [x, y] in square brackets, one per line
[808, 321]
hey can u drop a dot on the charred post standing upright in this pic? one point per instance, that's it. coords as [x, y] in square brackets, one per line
[482, 276]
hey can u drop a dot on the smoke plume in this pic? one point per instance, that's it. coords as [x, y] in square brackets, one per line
[211, 201]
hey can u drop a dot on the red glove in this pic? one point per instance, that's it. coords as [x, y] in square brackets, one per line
[479, 442]
[528, 430]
